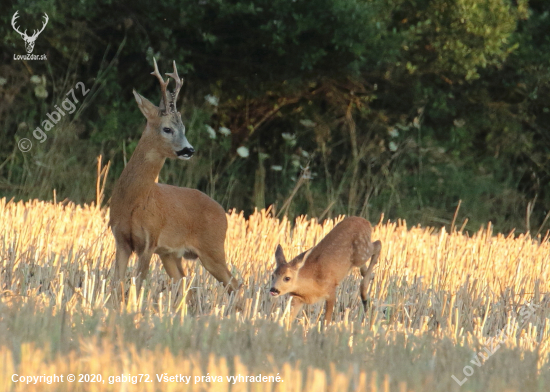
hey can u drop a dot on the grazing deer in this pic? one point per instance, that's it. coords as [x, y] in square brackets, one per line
[148, 217]
[315, 274]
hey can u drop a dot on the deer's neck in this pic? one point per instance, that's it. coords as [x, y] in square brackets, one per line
[139, 175]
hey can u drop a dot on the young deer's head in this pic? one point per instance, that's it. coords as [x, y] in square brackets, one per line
[165, 129]
[285, 277]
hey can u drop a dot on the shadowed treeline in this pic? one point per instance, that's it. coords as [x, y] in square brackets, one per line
[359, 107]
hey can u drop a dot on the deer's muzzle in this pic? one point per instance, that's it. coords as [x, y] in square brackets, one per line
[186, 152]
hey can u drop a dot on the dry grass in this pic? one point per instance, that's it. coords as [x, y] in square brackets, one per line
[437, 299]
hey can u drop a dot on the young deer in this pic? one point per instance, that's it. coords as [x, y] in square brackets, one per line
[315, 274]
[147, 217]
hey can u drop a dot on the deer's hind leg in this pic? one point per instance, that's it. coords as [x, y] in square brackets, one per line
[214, 262]
[173, 264]
[366, 272]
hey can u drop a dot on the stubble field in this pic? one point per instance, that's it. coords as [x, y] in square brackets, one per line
[442, 305]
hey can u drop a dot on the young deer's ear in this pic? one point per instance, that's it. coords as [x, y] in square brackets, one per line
[280, 256]
[147, 108]
[300, 263]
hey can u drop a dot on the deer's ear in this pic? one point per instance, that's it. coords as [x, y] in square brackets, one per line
[300, 263]
[280, 256]
[147, 108]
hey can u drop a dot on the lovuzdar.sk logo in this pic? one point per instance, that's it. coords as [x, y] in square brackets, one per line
[29, 40]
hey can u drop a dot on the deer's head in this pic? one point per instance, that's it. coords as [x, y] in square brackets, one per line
[285, 276]
[29, 41]
[164, 125]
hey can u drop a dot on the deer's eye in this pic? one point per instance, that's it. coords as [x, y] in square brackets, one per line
[167, 130]
[287, 278]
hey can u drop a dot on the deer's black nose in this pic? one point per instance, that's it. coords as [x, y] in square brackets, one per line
[274, 290]
[186, 152]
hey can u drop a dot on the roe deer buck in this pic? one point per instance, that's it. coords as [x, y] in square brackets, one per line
[148, 217]
[314, 275]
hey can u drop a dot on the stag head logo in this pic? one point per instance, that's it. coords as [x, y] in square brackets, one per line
[29, 41]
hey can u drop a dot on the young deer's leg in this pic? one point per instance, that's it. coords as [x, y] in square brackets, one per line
[366, 272]
[295, 307]
[215, 264]
[330, 307]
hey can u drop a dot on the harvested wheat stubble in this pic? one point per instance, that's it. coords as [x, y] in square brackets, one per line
[437, 298]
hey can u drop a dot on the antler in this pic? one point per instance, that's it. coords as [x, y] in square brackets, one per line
[179, 83]
[165, 101]
[43, 26]
[15, 16]
[36, 33]
[168, 102]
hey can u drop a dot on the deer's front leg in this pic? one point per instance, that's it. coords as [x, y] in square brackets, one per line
[331, 300]
[123, 253]
[144, 261]
[295, 307]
